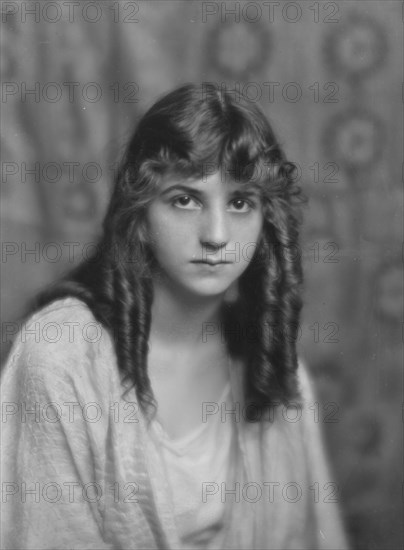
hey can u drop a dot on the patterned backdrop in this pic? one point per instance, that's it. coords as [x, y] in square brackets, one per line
[75, 80]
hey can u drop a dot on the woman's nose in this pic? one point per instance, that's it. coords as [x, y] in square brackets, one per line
[214, 230]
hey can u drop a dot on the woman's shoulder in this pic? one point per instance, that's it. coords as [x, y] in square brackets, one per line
[61, 309]
[62, 340]
[66, 323]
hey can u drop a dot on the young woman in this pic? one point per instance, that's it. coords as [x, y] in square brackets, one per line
[154, 399]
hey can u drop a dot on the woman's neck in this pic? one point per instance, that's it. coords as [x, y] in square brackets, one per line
[183, 318]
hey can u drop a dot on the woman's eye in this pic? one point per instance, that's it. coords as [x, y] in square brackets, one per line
[186, 201]
[241, 205]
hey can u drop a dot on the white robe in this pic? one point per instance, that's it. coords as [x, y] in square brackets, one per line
[80, 471]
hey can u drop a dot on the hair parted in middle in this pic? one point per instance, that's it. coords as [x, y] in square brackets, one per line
[193, 132]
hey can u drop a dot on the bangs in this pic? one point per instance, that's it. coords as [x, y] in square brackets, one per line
[201, 134]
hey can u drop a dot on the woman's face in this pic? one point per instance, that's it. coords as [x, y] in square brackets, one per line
[204, 232]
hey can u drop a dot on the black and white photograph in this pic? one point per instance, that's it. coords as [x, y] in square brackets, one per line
[202, 248]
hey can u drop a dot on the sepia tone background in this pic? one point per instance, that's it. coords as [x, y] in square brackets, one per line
[75, 81]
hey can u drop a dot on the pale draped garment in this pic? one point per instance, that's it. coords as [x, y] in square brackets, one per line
[82, 470]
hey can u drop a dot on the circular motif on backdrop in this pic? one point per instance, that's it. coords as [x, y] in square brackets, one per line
[79, 202]
[357, 47]
[238, 50]
[354, 138]
[319, 218]
[389, 292]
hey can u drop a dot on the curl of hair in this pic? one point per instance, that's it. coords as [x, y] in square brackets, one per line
[272, 285]
[195, 131]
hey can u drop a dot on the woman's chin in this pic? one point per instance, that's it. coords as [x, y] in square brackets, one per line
[204, 290]
[207, 292]
[194, 287]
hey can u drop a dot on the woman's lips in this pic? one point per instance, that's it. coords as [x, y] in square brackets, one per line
[206, 262]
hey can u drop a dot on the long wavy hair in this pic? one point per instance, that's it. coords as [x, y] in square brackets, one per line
[192, 131]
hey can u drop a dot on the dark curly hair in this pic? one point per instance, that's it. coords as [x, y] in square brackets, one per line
[192, 131]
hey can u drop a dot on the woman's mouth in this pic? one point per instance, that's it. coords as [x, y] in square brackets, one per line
[210, 262]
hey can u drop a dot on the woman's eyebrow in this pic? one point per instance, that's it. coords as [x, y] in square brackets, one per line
[246, 192]
[250, 191]
[181, 187]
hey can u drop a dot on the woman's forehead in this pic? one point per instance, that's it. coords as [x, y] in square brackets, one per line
[216, 181]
